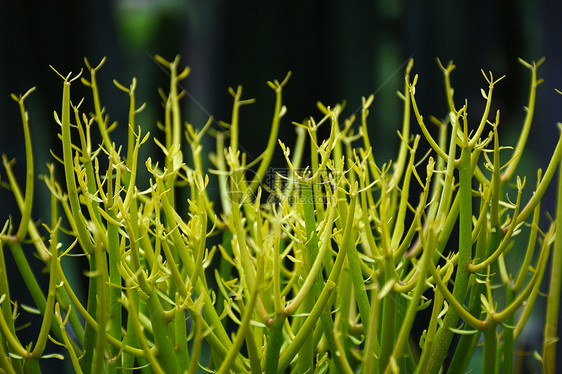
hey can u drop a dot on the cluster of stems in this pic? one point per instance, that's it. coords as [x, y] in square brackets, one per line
[326, 268]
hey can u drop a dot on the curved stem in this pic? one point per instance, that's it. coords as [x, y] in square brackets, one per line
[29, 179]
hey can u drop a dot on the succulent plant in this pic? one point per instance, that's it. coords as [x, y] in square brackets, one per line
[322, 265]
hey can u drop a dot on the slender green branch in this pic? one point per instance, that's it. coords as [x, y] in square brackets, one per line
[490, 344]
[408, 320]
[544, 183]
[29, 180]
[554, 289]
[78, 217]
[465, 257]
[278, 113]
[66, 338]
[419, 118]
[530, 109]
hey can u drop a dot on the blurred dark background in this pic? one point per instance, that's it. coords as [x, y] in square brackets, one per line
[336, 50]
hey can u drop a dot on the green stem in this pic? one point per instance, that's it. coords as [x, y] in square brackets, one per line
[6, 362]
[555, 287]
[66, 339]
[306, 353]
[131, 338]
[388, 331]
[543, 185]
[180, 338]
[29, 179]
[530, 302]
[91, 321]
[77, 215]
[305, 359]
[467, 343]
[388, 319]
[5, 291]
[308, 326]
[311, 321]
[197, 340]
[32, 285]
[114, 289]
[490, 344]
[98, 111]
[188, 262]
[371, 340]
[134, 317]
[51, 293]
[272, 141]
[430, 333]
[243, 330]
[11, 339]
[89, 330]
[359, 282]
[166, 353]
[274, 342]
[403, 152]
[312, 250]
[115, 308]
[408, 319]
[507, 347]
[101, 306]
[445, 335]
[524, 134]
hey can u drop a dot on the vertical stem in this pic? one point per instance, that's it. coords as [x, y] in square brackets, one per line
[408, 319]
[371, 339]
[508, 334]
[29, 180]
[131, 338]
[98, 111]
[114, 290]
[225, 268]
[89, 330]
[467, 343]
[445, 335]
[305, 359]
[388, 318]
[166, 353]
[430, 334]
[51, 293]
[553, 300]
[72, 190]
[244, 329]
[274, 343]
[389, 304]
[312, 249]
[490, 344]
[197, 340]
[180, 328]
[306, 354]
[272, 141]
[327, 291]
[100, 304]
[360, 292]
